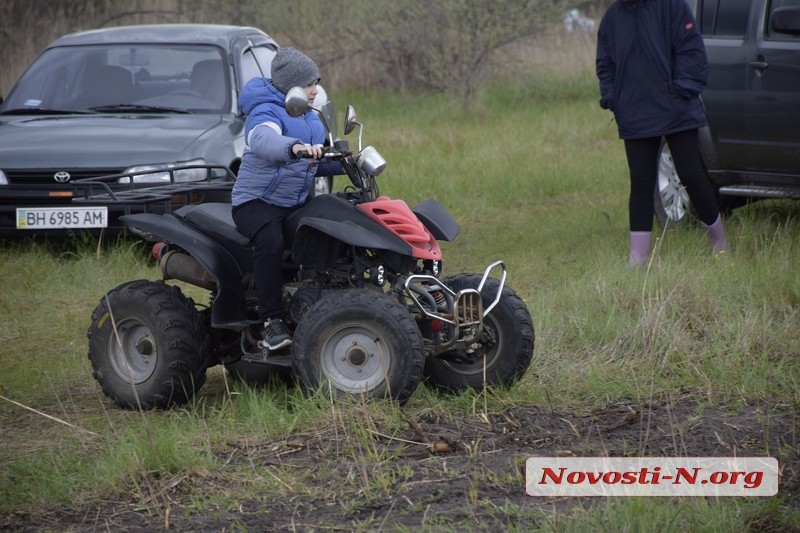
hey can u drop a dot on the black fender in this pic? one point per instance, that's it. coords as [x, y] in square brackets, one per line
[437, 219]
[317, 229]
[228, 309]
[318, 242]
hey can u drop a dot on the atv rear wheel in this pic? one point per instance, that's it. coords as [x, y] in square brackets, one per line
[502, 353]
[358, 342]
[148, 345]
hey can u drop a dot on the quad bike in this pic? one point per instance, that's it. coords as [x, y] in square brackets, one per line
[362, 292]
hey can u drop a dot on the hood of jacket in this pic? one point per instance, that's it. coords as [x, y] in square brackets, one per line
[259, 91]
[263, 102]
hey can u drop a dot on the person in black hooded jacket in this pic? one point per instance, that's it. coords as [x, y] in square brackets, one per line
[652, 67]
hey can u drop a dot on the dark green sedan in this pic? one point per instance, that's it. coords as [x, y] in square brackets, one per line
[131, 100]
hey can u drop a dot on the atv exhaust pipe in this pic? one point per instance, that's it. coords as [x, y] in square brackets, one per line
[183, 267]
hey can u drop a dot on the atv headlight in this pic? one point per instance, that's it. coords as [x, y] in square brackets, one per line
[161, 173]
[370, 161]
[433, 266]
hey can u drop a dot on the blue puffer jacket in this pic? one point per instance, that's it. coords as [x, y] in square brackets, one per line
[652, 67]
[267, 171]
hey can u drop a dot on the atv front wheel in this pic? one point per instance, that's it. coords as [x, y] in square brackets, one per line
[358, 342]
[148, 345]
[501, 354]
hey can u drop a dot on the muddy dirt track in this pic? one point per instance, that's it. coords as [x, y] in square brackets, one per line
[465, 470]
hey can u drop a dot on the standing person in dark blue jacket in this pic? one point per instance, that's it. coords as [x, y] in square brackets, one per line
[272, 180]
[652, 67]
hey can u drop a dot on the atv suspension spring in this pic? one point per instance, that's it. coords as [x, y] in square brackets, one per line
[441, 301]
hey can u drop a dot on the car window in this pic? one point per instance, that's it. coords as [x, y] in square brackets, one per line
[250, 68]
[83, 78]
[724, 18]
[265, 55]
[256, 61]
[769, 32]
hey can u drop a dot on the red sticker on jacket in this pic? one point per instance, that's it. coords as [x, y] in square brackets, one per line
[689, 26]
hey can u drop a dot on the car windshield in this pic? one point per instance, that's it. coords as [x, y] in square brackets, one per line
[124, 78]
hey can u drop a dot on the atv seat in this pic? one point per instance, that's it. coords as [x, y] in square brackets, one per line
[214, 219]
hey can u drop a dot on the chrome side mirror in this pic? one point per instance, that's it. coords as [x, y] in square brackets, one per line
[296, 102]
[350, 120]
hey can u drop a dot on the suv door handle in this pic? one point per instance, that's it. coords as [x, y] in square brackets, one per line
[759, 65]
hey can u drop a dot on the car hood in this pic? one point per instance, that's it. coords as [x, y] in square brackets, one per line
[87, 141]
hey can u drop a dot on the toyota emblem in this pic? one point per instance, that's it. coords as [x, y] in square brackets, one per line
[61, 177]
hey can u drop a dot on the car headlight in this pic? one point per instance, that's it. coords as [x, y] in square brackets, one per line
[161, 173]
[3, 178]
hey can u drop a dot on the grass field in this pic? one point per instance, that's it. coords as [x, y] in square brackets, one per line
[536, 176]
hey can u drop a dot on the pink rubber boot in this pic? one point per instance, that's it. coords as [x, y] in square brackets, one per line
[716, 237]
[640, 249]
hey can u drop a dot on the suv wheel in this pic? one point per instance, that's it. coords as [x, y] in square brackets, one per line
[673, 207]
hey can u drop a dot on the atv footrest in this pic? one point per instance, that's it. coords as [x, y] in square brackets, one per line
[268, 359]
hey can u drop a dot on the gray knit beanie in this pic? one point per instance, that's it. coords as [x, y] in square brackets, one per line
[290, 68]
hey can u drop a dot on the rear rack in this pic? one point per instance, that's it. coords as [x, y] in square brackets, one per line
[127, 191]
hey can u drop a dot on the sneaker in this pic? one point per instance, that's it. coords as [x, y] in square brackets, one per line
[276, 336]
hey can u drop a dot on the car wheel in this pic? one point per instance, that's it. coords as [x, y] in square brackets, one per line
[672, 205]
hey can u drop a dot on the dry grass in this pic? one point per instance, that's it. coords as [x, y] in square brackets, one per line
[704, 353]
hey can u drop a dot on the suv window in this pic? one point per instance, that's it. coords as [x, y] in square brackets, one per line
[724, 18]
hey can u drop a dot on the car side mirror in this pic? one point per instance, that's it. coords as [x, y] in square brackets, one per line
[786, 20]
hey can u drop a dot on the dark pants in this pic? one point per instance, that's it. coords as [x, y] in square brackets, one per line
[262, 223]
[643, 165]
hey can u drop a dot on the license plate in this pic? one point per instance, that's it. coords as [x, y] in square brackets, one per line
[62, 217]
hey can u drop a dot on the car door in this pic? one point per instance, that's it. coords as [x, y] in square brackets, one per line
[724, 25]
[773, 111]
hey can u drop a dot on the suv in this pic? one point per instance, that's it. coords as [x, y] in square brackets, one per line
[147, 101]
[751, 147]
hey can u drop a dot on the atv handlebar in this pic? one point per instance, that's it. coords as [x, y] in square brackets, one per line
[365, 185]
[330, 154]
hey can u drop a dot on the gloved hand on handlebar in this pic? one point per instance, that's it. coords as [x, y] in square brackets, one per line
[307, 151]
